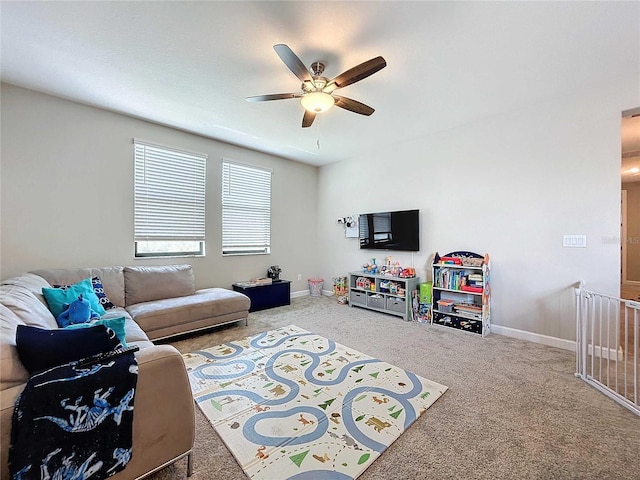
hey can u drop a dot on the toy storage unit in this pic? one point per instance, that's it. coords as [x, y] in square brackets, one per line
[462, 292]
[382, 293]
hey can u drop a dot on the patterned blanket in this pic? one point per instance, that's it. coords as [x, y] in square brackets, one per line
[75, 421]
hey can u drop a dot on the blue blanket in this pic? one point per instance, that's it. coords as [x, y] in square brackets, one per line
[74, 421]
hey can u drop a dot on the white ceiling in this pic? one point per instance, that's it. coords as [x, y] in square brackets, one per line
[191, 64]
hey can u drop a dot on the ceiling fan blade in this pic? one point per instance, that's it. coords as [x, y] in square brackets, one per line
[308, 118]
[353, 105]
[358, 72]
[292, 61]
[275, 96]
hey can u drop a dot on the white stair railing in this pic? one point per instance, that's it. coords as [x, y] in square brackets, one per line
[607, 345]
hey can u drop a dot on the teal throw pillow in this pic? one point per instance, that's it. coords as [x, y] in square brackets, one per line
[57, 297]
[115, 324]
[98, 289]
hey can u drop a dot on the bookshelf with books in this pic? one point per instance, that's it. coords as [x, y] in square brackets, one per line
[462, 291]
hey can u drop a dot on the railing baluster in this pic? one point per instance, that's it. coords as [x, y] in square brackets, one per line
[591, 321]
[608, 301]
[635, 356]
[585, 329]
[626, 346]
[594, 310]
[617, 337]
[579, 321]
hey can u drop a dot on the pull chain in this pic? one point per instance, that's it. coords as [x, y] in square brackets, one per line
[318, 132]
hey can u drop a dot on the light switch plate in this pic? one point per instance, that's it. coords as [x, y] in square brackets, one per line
[574, 241]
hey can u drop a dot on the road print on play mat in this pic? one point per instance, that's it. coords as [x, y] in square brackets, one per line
[292, 404]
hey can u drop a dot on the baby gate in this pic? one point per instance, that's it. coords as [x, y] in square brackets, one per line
[607, 345]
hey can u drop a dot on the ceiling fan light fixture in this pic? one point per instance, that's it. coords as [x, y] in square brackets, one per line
[317, 102]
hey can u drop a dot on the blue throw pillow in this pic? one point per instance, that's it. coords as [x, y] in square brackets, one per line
[99, 291]
[40, 349]
[115, 324]
[57, 297]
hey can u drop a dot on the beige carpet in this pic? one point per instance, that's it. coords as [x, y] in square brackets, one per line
[514, 409]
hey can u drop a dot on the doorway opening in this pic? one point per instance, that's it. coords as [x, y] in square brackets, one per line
[630, 206]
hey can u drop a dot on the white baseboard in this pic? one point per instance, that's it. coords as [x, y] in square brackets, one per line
[305, 293]
[605, 352]
[534, 337]
[598, 351]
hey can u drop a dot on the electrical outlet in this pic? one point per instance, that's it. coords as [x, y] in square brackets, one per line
[299, 276]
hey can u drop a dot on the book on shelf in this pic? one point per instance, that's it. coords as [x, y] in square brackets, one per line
[451, 260]
[470, 310]
[468, 288]
[466, 307]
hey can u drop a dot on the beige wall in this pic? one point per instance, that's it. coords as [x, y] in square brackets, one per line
[67, 193]
[633, 230]
[511, 185]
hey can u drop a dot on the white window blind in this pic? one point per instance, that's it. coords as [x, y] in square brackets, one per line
[246, 209]
[169, 194]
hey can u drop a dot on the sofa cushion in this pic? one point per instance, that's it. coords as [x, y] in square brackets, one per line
[21, 303]
[145, 284]
[12, 372]
[112, 279]
[203, 304]
[40, 348]
[57, 297]
[33, 283]
[27, 306]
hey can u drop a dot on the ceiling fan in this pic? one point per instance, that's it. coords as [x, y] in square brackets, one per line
[316, 93]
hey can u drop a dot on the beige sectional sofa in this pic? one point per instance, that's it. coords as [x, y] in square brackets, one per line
[157, 302]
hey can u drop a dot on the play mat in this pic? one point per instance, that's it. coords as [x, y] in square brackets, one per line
[292, 404]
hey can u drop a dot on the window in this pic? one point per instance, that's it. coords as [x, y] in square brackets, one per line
[169, 199]
[246, 209]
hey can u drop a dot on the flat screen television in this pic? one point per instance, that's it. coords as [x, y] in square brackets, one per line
[390, 231]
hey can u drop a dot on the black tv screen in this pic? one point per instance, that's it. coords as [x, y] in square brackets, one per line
[390, 231]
